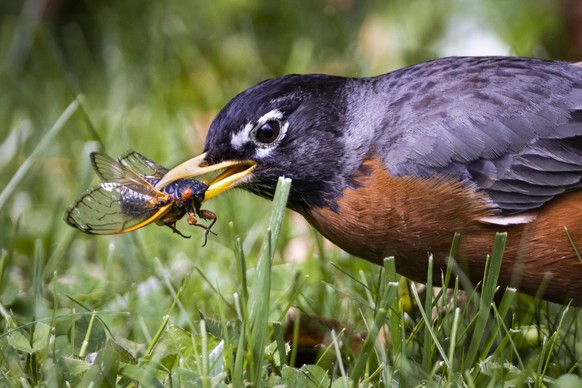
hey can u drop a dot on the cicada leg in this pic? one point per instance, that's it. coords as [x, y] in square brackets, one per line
[207, 215]
[172, 225]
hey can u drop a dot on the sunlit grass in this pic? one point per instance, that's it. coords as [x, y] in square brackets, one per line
[151, 307]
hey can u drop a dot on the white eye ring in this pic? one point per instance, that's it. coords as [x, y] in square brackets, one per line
[251, 133]
[264, 148]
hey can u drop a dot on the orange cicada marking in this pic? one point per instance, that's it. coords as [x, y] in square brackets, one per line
[186, 194]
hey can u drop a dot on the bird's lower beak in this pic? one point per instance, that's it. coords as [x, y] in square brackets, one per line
[233, 175]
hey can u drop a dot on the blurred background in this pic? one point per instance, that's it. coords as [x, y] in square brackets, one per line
[150, 76]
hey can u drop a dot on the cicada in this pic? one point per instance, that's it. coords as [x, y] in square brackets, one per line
[128, 199]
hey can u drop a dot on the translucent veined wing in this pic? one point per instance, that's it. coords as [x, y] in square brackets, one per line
[114, 208]
[142, 165]
[113, 171]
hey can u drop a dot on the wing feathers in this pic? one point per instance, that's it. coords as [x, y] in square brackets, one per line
[510, 126]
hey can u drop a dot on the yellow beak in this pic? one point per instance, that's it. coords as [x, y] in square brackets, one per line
[233, 175]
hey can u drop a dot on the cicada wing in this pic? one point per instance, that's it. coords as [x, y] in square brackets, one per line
[142, 165]
[113, 171]
[114, 208]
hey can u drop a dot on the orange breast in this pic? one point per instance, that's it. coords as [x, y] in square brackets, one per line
[410, 218]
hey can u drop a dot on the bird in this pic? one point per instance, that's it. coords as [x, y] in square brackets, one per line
[396, 164]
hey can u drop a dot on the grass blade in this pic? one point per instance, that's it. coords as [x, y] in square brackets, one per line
[427, 353]
[260, 291]
[428, 326]
[390, 292]
[164, 324]
[487, 293]
[37, 152]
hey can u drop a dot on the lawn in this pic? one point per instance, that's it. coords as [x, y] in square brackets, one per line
[152, 308]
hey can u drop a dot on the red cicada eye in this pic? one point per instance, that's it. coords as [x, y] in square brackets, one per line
[187, 193]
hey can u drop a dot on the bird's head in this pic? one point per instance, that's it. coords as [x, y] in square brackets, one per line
[291, 126]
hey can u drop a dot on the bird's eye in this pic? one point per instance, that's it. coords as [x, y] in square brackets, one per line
[268, 132]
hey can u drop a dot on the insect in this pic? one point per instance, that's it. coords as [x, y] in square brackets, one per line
[128, 200]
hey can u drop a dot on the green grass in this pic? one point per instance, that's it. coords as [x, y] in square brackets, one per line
[150, 307]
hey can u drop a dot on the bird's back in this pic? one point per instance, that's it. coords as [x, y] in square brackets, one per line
[510, 126]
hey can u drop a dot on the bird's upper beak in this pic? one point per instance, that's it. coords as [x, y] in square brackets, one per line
[233, 175]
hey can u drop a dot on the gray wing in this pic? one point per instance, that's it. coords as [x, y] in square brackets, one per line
[142, 165]
[510, 126]
[119, 172]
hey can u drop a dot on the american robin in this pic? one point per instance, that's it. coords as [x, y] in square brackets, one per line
[393, 165]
